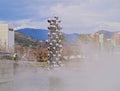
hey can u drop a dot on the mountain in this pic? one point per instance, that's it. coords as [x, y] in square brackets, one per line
[24, 40]
[108, 34]
[71, 37]
[38, 34]
[42, 34]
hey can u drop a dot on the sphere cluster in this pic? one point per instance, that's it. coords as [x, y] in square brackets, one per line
[55, 42]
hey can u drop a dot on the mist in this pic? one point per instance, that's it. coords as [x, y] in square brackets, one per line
[98, 71]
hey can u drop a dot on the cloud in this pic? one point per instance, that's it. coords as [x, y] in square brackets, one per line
[81, 16]
[26, 23]
[88, 16]
[112, 26]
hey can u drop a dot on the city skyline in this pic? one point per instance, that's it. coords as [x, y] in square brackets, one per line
[78, 16]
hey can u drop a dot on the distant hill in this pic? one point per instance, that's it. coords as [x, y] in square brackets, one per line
[71, 37]
[42, 34]
[38, 34]
[24, 40]
[108, 34]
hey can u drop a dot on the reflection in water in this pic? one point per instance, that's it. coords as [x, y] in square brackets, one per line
[6, 76]
[56, 84]
[93, 74]
[6, 86]
[15, 66]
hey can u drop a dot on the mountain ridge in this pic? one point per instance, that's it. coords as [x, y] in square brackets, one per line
[108, 34]
[42, 34]
[39, 34]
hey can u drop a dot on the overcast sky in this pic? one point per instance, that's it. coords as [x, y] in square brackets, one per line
[78, 16]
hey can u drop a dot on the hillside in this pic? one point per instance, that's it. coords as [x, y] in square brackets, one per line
[38, 34]
[24, 40]
[42, 34]
[108, 34]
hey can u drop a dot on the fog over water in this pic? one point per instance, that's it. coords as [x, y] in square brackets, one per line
[99, 71]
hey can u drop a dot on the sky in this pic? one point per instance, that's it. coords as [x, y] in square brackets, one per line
[77, 16]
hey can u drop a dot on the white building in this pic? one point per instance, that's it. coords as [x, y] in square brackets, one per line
[6, 38]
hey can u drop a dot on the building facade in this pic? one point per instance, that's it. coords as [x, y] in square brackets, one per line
[6, 38]
[99, 39]
[116, 39]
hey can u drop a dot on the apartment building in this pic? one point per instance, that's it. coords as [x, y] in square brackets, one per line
[6, 38]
